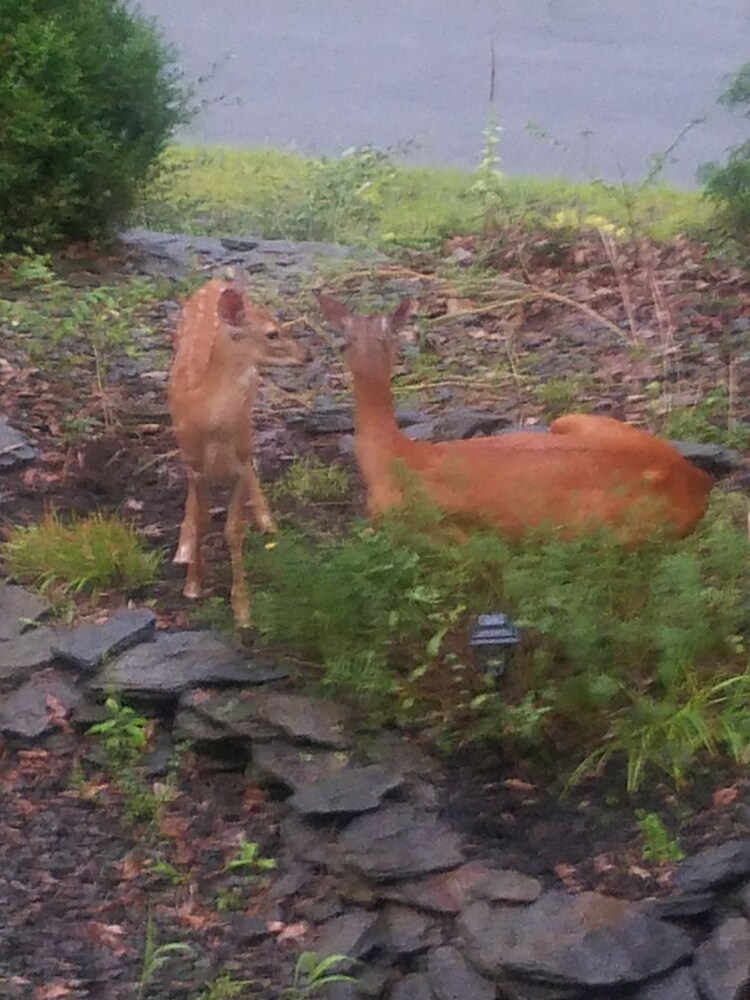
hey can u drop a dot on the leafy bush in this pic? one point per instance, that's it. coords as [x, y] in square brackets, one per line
[88, 99]
[91, 554]
[728, 186]
[627, 654]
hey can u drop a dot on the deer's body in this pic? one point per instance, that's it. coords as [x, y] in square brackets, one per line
[221, 340]
[588, 472]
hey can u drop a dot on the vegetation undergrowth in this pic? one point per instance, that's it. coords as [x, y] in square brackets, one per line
[637, 658]
[88, 554]
[366, 196]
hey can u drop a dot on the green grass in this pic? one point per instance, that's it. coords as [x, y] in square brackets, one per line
[367, 197]
[89, 554]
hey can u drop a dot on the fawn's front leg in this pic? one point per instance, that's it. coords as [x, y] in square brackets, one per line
[194, 524]
[234, 532]
[258, 503]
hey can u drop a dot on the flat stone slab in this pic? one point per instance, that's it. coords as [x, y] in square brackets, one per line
[712, 458]
[225, 714]
[722, 963]
[18, 607]
[294, 766]
[715, 866]
[399, 842]
[405, 931]
[452, 978]
[350, 790]
[352, 934]
[447, 893]
[89, 645]
[15, 450]
[30, 712]
[412, 987]
[177, 661]
[589, 940]
[507, 886]
[311, 720]
[28, 652]
[678, 985]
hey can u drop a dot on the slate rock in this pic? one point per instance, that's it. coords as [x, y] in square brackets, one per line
[743, 898]
[195, 727]
[304, 842]
[350, 790]
[405, 931]
[715, 866]
[353, 934]
[400, 756]
[292, 765]
[463, 422]
[28, 652]
[588, 940]
[29, 712]
[399, 842]
[413, 987]
[177, 661]
[312, 720]
[342, 991]
[712, 458]
[452, 978]
[523, 989]
[678, 985]
[88, 645]
[229, 714]
[506, 885]
[18, 607]
[249, 930]
[445, 893]
[15, 450]
[679, 906]
[722, 963]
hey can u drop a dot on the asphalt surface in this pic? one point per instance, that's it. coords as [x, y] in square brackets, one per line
[611, 81]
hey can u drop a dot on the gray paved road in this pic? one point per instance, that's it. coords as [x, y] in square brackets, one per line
[321, 75]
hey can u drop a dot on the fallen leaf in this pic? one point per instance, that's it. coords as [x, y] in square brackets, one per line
[293, 932]
[725, 796]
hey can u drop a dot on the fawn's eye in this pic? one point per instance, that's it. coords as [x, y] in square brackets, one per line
[273, 334]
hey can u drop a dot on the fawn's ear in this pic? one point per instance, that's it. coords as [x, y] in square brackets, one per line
[231, 307]
[400, 315]
[335, 312]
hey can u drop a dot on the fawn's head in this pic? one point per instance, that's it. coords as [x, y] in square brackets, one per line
[370, 339]
[254, 335]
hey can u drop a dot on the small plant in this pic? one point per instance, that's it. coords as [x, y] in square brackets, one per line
[89, 554]
[308, 480]
[170, 873]
[709, 421]
[728, 186]
[313, 973]
[249, 860]
[156, 956]
[658, 845]
[230, 899]
[561, 395]
[225, 987]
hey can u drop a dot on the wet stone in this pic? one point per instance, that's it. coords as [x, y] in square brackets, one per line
[452, 978]
[678, 906]
[304, 842]
[18, 607]
[292, 765]
[228, 714]
[743, 898]
[722, 963]
[445, 893]
[588, 940]
[523, 989]
[678, 985]
[399, 842]
[249, 930]
[30, 711]
[715, 866]
[177, 661]
[15, 450]
[507, 886]
[28, 652]
[87, 646]
[350, 790]
[712, 458]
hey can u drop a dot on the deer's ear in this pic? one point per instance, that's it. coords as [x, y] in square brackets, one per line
[231, 307]
[335, 312]
[400, 315]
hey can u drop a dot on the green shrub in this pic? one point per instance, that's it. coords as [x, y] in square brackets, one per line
[89, 97]
[90, 554]
[627, 655]
[728, 186]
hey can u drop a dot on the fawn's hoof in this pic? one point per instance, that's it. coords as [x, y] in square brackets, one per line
[183, 555]
[192, 591]
[267, 524]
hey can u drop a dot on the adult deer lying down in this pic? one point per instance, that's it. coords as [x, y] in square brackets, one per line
[220, 340]
[587, 473]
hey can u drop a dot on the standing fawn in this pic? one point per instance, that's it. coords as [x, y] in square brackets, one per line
[221, 339]
[588, 472]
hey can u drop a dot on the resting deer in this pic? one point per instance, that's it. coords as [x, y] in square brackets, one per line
[220, 340]
[587, 473]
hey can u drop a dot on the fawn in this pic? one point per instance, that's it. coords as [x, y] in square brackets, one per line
[588, 472]
[220, 341]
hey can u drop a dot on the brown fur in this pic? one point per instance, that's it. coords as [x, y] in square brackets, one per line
[589, 472]
[220, 340]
